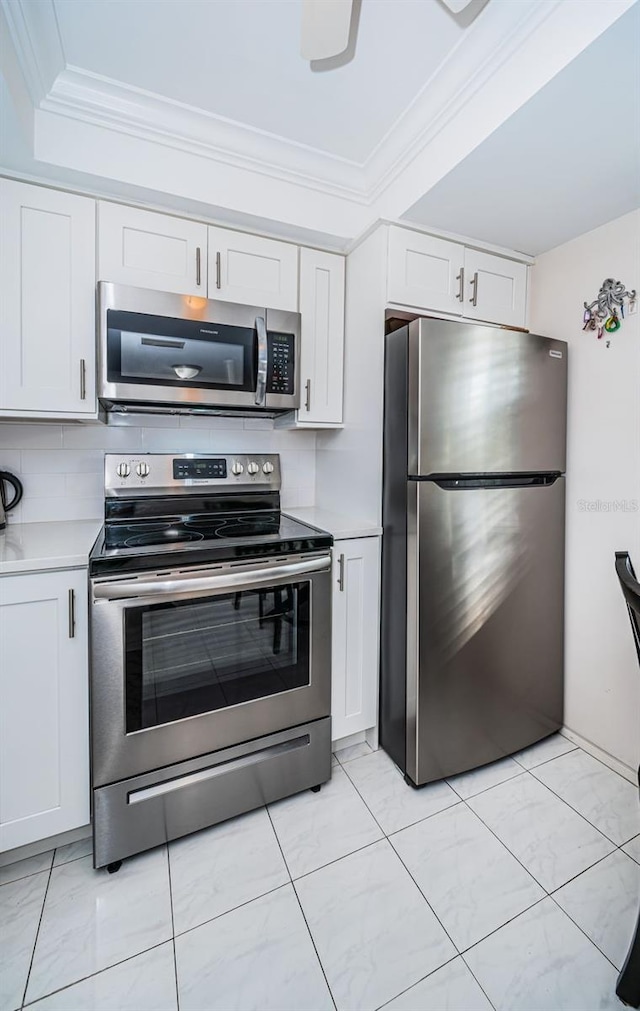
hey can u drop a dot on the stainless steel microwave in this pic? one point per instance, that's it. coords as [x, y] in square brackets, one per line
[162, 352]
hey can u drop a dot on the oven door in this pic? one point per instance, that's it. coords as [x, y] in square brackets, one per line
[158, 348]
[186, 663]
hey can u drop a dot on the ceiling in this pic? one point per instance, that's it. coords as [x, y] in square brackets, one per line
[520, 129]
[240, 59]
[566, 162]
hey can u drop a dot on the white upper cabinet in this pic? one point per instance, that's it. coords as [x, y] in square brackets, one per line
[322, 337]
[47, 308]
[149, 250]
[495, 288]
[252, 270]
[355, 639]
[44, 706]
[424, 271]
[436, 275]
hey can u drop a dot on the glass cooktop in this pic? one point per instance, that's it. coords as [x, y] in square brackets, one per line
[144, 544]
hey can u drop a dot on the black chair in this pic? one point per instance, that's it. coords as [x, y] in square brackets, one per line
[628, 988]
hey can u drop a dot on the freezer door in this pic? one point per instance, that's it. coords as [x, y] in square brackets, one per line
[485, 400]
[484, 623]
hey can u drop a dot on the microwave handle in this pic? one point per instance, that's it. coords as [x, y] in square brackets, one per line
[263, 348]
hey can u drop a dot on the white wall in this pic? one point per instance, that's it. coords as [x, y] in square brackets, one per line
[61, 466]
[602, 701]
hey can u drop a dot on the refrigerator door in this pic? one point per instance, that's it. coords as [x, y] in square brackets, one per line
[483, 400]
[485, 592]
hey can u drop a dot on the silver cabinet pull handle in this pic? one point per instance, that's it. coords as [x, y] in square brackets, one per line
[460, 278]
[307, 396]
[199, 266]
[218, 270]
[263, 349]
[72, 614]
[341, 573]
[474, 285]
[83, 379]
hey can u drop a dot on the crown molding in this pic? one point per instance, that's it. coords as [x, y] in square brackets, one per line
[37, 43]
[479, 55]
[100, 101]
[487, 56]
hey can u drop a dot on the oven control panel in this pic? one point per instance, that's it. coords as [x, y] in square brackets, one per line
[199, 469]
[169, 474]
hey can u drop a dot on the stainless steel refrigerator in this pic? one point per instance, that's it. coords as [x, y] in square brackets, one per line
[473, 545]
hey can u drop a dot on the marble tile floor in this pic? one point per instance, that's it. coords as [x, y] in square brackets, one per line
[513, 887]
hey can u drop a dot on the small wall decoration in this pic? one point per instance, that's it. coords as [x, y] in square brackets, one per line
[606, 312]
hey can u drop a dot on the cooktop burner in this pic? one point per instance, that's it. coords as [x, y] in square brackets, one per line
[196, 511]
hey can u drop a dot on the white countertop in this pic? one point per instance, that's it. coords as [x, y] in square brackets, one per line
[32, 547]
[342, 527]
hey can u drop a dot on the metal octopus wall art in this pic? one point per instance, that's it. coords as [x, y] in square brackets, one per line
[606, 312]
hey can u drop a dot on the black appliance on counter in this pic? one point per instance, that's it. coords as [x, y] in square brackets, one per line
[6, 505]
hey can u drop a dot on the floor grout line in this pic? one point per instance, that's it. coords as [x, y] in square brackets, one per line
[295, 892]
[35, 940]
[579, 813]
[421, 980]
[489, 1001]
[90, 975]
[173, 930]
[582, 931]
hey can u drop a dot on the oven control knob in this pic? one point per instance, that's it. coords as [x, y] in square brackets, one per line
[267, 468]
[253, 468]
[142, 470]
[123, 470]
[236, 467]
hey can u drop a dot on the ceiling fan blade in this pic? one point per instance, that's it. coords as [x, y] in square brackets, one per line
[325, 28]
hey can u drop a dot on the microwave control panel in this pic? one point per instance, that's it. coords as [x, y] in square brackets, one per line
[280, 363]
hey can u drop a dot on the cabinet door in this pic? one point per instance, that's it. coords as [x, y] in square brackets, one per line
[44, 707]
[252, 270]
[149, 250]
[497, 286]
[424, 271]
[322, 336]
[356, 620]
[47, 308]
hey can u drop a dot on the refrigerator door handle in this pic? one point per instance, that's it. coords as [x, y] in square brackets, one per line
[465, 482]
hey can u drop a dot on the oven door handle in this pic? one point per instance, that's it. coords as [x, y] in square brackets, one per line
[237, 581]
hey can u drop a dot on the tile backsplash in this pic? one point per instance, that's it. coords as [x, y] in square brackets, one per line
[61, 466]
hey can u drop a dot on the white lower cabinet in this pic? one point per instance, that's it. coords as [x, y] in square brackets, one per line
[44, 705]
[355, 638]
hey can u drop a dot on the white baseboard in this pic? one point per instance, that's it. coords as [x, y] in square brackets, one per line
[603, 756]
[42, 845]
[346, 742]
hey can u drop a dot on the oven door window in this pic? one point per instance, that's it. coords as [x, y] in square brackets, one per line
[157, 351]
[185, 658]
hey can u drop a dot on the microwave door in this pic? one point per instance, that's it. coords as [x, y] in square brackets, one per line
[182, 360]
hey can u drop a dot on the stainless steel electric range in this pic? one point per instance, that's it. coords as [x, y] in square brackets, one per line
[210, 649]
